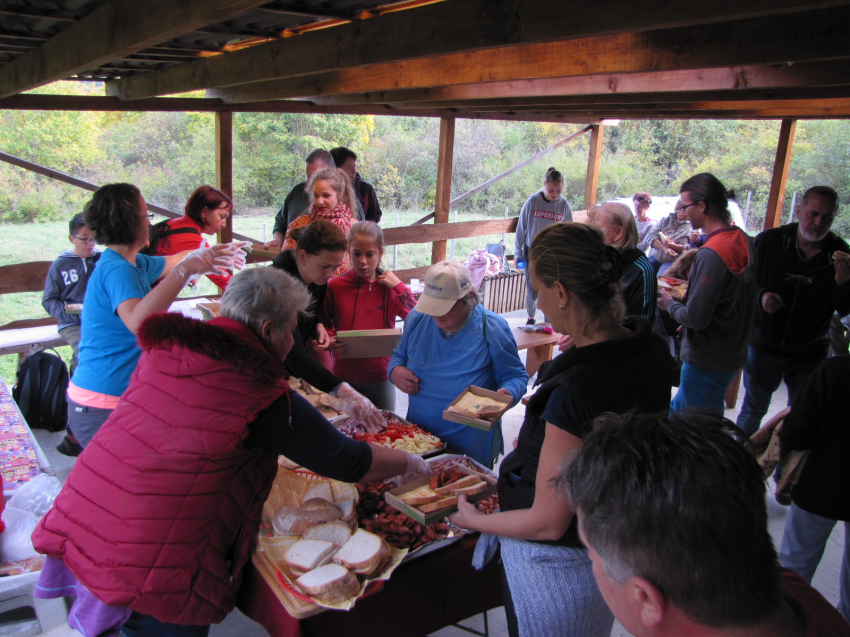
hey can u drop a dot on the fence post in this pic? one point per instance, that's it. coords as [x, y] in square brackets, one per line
[395, 247]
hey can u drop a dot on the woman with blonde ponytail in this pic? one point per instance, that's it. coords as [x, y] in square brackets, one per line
[617, 365]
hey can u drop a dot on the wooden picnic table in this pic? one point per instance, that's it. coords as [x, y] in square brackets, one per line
[539, 346]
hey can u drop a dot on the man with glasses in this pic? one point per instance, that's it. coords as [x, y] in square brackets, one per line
[804, 278]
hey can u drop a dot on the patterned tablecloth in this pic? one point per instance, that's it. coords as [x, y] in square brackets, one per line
[19, 461]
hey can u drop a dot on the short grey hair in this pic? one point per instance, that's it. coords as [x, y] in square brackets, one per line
[257, 295]
[473, 298]
[320, 155]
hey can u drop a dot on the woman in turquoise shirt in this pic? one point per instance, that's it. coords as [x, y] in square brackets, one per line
[449, 342]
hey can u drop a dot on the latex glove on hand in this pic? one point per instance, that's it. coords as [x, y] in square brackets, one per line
[215, 260]
[356, 405]
[416, 468]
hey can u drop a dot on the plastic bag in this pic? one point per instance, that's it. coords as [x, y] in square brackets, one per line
[37, 495]
[16, 541]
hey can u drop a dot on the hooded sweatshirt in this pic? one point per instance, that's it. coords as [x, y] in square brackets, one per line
[536, 214]
[720, 304]
[67, 280]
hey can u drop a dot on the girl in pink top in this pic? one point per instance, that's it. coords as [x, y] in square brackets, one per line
[365, 298]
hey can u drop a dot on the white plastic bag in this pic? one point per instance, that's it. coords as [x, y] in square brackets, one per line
[37, 495]
[16, 541]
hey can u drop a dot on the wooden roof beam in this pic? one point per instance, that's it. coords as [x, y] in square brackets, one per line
[189, 104]
[818, 92]
[447, 27]
[810, 37]
[116, 29]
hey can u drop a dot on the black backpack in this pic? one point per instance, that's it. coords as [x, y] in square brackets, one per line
[40, 391]
[158, 231]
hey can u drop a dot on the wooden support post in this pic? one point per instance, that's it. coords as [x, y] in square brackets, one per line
[224, 165]
[773, 216]
[444, 182]
[593, 159]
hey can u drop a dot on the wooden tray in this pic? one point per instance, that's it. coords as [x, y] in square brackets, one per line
[393, 497]
[478, 423]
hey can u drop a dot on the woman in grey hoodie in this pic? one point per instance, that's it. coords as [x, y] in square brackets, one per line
[540, 211]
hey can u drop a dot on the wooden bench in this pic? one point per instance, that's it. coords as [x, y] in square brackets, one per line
[27, 336]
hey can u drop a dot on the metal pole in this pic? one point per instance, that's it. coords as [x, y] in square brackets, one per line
[747, 213]
[507, 212]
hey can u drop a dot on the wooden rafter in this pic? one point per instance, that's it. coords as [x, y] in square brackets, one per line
[775, 197]
[801, 38]
[446, 28]
[118, 28]
[741, 78]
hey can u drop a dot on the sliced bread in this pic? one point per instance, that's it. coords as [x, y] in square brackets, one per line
[380, 564]
[474, 489]
[321, 490]
[337, 532]
[325, 579]
[349, 510]
[296, 520]
[305, 555]
[457, 484]
[439, 504]
[419, 498]
[362, 552]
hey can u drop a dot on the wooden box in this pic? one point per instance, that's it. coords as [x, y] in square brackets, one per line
[393, 498]
[368, 343]
[478, 423]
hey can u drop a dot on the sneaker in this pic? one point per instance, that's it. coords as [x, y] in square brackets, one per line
[530, 321]
[69, 448]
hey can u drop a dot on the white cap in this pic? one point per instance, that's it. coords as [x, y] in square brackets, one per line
[445, 283]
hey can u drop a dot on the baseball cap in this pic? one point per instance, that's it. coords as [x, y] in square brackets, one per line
[445, 283]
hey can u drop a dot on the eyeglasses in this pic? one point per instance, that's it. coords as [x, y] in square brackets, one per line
[682, 208]
[149, 215]
[85, 239]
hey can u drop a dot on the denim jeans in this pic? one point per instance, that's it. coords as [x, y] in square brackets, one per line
[803, 543]
[762, 376]
[146, 626]
[701, 388]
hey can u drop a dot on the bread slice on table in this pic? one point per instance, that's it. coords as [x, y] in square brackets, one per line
[457, 484]
[305, 555]
[321, 490]
[337, 532]
[330, 583]
[296, 520]
[439, 504]
[419, 498]
[349, 512]
[363, 553]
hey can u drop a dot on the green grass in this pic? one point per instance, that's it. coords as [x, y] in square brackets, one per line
[44, 242]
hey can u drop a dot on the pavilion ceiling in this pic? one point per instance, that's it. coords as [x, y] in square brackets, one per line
[546, 60]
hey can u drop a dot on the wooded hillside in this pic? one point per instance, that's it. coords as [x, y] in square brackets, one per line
[169, 154]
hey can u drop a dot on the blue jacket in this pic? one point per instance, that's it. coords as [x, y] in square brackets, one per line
[446, 366]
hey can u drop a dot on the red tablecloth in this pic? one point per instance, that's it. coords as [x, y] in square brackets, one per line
[422, 596]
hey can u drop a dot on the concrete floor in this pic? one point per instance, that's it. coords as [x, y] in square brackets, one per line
[238, 625]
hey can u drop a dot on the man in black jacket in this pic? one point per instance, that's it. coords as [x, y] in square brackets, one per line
[803, 279]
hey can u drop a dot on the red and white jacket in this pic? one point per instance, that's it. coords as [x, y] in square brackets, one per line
[161, 511]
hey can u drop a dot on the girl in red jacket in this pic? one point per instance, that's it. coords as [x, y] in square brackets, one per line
[365, 298]
[206, 212]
